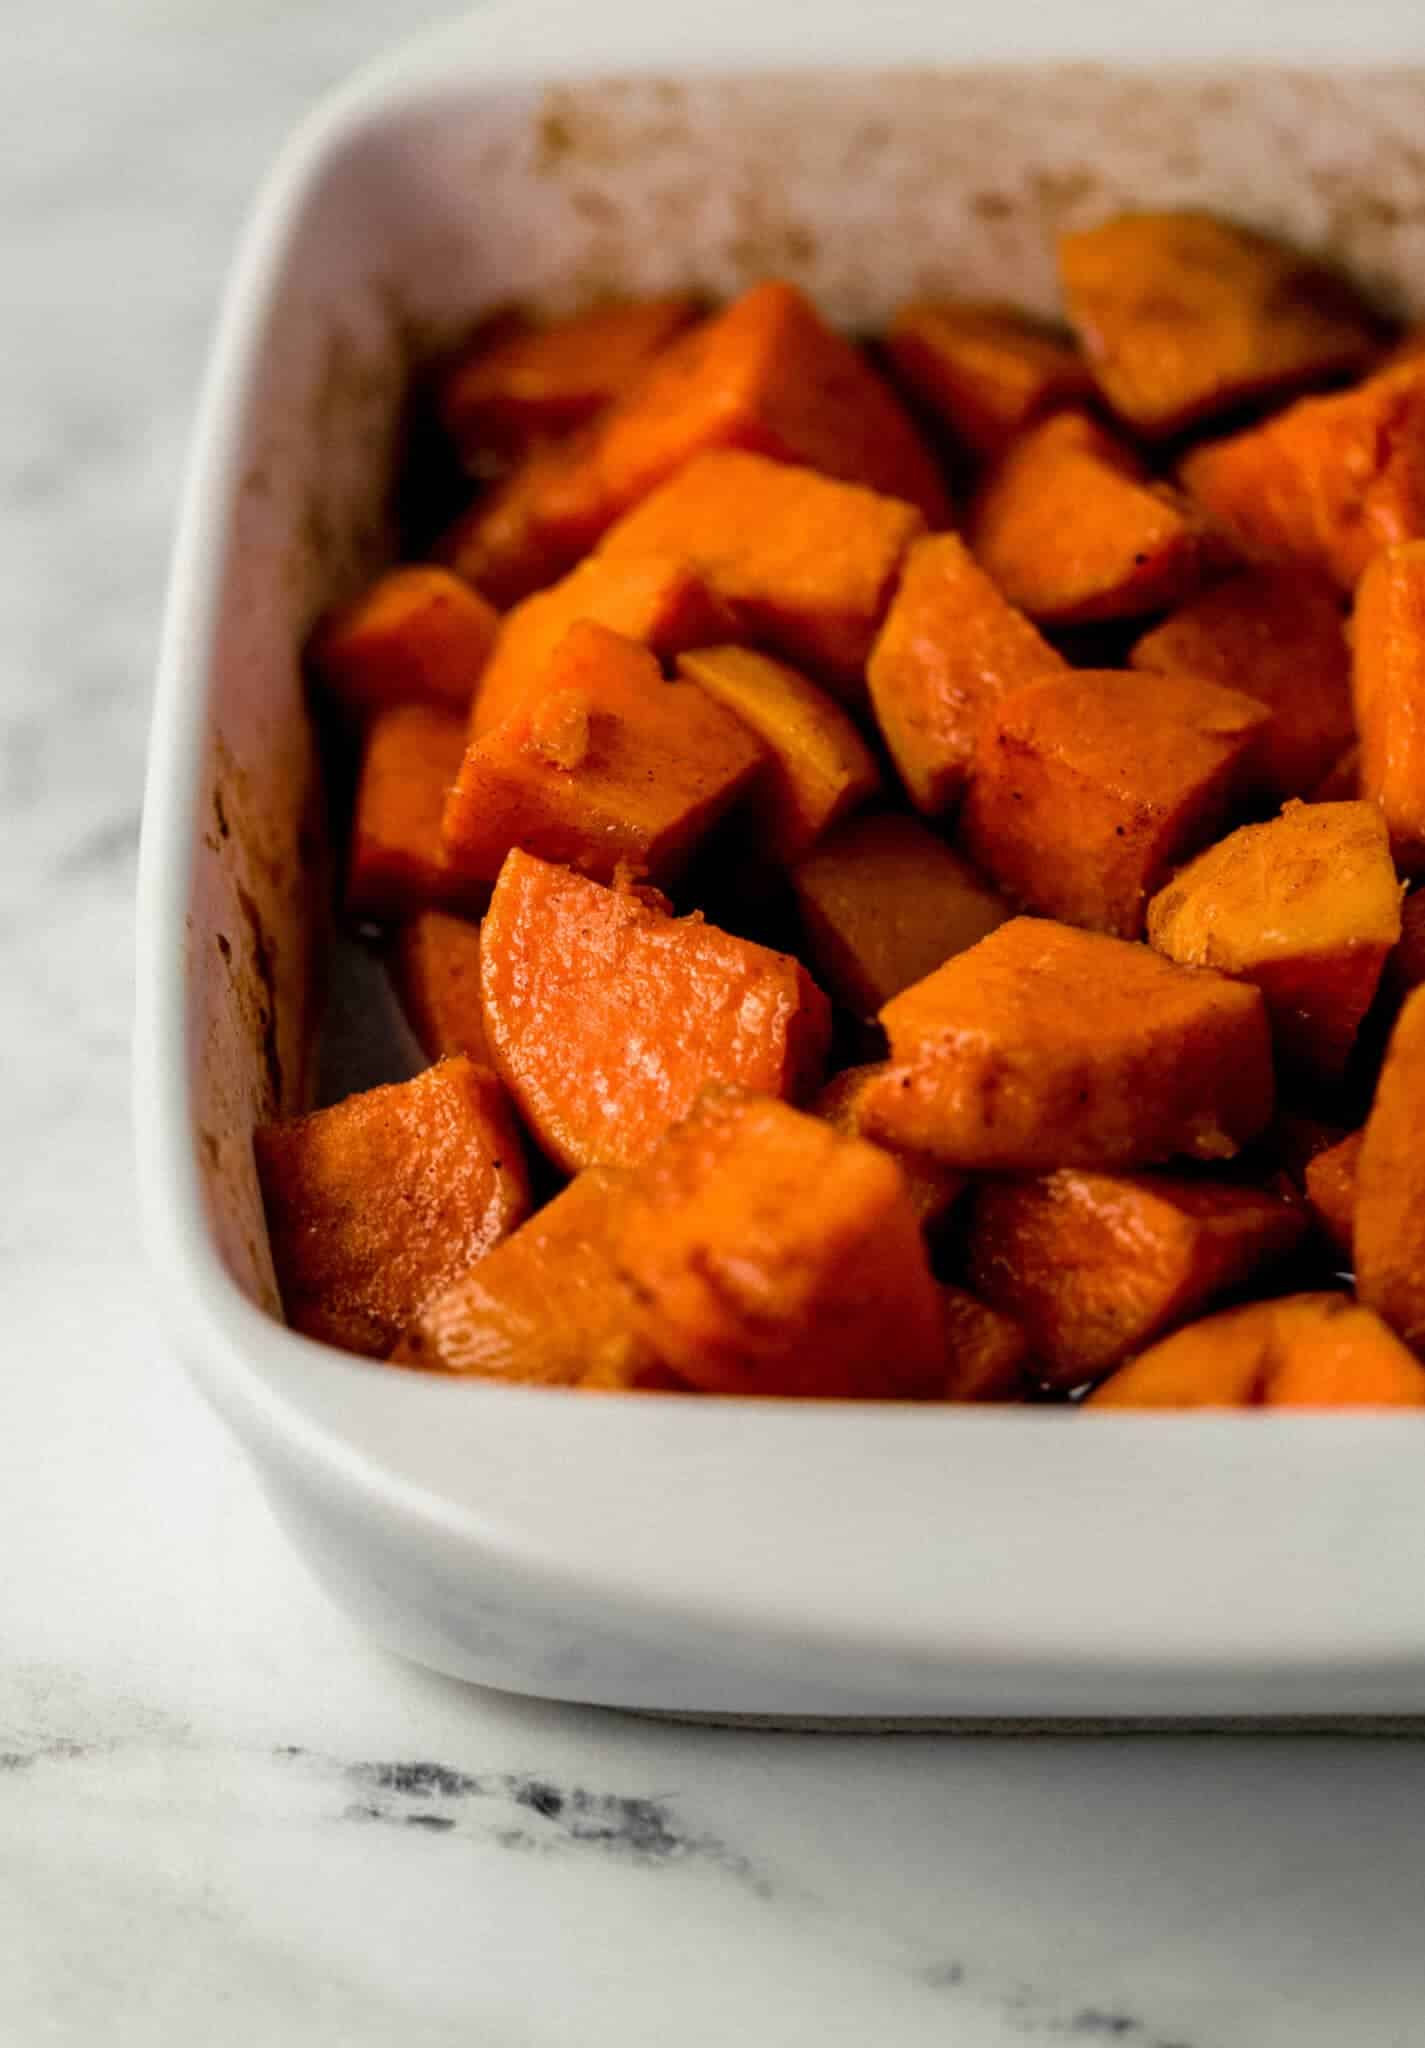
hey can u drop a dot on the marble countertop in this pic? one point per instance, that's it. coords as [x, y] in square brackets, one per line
[224, 1816]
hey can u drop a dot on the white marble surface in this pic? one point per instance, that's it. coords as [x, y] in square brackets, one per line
[224, 1817]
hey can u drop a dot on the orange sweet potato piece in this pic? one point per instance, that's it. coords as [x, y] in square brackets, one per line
[1390, 1183]
[807, 564]
[606, 1017]
[933, 1189]
[1327, 483]
[1182, 316]
[397, 863]
[987, 1355]
[1087, 787]
[770, 1255]
[604, 765]
[1279, 636]
[1071, 530]
[882, 902]
[1094, 1266]
[1389, 684]
[818, 766]
[1331, 1177]
[951, 648]
[1307, 1351]
[380, 1202]
[416, 636]
[1307, 906]
[987, 370]
[527, 530]
[1044, 1046]
[437, 971]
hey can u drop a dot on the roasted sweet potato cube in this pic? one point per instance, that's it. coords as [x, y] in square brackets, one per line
[606, 1017]
[818, 767]
[951, 648]
[1087, 788]
[987, 370]
[527, 530]
[1327, 483]
[1294, 1140]
[1331, 1177]
[1044, 1046]
[807, 564]
[604, 765]
[378, 1203]
[417, 636]
[1306, 1351]
[1094, 1266]
[437, 972]
[1277, 635]
[1390, 1183]
[1306, 906]
[770, 1255]
[1405, 969]
[1389, 685]
[1183, 316]
[987, 1355]
[882, 902]
[397, 863]
[1071, 530]
[933, 1189]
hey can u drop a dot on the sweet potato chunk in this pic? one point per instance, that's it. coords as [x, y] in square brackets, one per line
[1093, 1266]
[1182, 316]
[606, 1017]
[950, 649]
[1088, 786]
[1327, 483]
[1389, 683]
[397, 863]
[1277, 635]
[603, 765]
[1331, 1177]
[770, 1255]
[806, 564]
[1307, 1351]
[882, 902]
[437, 972]
[1306, 906]
[527, 530]
[417, 636]
[1405, 969]
[987, 1355]
[818, 766]
[1071, 530]
[933, 1189]
[1043, 1046]
[987, 370]
[377, 1204]
[1390, 1183]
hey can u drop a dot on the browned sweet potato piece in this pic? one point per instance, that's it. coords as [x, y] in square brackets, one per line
[933, 1189]
[1390, 1180]
[527, 530]
[378, 1203]
[417, 635]
[818, 766]
[987, 1355]
[1306, 906]
[1182, 316]
[988, 370]
[770, 1255]
[1087, 788]
[397, 863]
[1307, 1351]
[882, 902]
[951, 648]
[1331, 1189]
[1405, 969]
[1389, 684]
[1277, 635]
[1071, 530]
[604, 765]
[1293, 1140]
[807, 564]
[438, 979]
[1328, 483]
[1043, 1046]
[1093, 1266]
[607, 1017]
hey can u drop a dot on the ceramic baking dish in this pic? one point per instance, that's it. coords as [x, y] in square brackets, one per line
[713, 1556]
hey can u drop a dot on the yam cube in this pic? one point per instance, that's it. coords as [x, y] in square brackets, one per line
[604, 765]
[1307, 907]
[1071, 530]
[397, 863]
[417, 636]
[770, 1255]
[438, 980]
[882, 902]
[951, 648]
[933, 1189]
[987, 1355]
[818, 767]
[1094, 1266]
[1277, 635]
[1087, 788]
[987, 370]
[526, 531]
[1043, 1046]
[1390, 1183]
[1389, 683]
[1331, 1186]
[1183, 316]
[607, 1017]
[377, 1204]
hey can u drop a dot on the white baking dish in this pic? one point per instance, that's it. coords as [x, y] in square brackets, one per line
[713, 1556]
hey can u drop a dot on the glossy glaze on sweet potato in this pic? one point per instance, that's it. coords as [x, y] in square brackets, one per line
[933, 1189]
